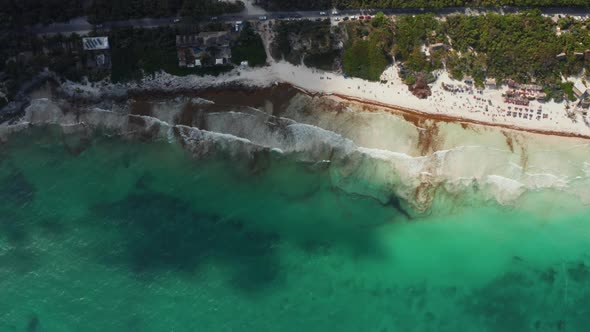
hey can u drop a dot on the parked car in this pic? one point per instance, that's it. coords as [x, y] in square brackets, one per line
[262, 18]
[322, 13]
[214, 18]
[176, 20]
[334, 12]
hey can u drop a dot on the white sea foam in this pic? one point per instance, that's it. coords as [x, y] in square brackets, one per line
[476, 169]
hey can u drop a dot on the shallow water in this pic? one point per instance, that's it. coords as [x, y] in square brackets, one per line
[127, 236]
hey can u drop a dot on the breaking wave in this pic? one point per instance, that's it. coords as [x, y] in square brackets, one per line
[421, 183]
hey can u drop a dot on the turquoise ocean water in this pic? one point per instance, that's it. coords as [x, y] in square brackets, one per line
[131, 236]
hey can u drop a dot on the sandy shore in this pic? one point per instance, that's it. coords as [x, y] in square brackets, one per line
[486, 108]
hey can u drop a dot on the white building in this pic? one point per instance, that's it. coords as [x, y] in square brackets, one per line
[95, 43]
[580, 90]
[491, 83]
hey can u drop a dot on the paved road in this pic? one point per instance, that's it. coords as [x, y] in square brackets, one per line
[81, 25]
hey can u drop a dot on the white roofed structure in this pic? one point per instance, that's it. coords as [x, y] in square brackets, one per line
[95, 43]
[580, 90]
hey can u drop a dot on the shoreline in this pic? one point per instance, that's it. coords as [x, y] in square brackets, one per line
[452, 119]
[405, 112]
[392, 96]
[449, 117]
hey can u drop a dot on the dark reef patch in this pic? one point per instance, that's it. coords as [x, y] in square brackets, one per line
[13, 229]
[33, 323]
[396, 203]
[159, 232]
[498, 304]
[16, 189]
[579, 272]
[548, 275]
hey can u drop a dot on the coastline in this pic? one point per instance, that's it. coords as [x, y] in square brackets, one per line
[392, 96]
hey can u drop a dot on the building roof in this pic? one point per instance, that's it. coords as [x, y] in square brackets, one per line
[95, 43]
[218, 61]
[198, 63]
[579, 89]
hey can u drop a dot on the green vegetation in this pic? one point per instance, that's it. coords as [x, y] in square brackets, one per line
[210, 7]
[249, 47]
[523, 47]
[453, 3]
[324, 61]
[25, 55]
[140, 52]
[520, 46]
[367, 53]
[314, 43]
[15, 13]
[568, 89]
[103, 10]
[517, 46]
[136, 52]
[411, 33]
[434, 4]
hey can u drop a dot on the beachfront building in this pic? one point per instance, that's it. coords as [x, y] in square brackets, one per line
[491, 83]
[204, 49]
[511, 83]
[580, 90]
[97, 51]
[238, 26]
[95, 43]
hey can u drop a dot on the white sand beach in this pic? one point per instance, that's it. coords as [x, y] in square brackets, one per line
[484, 107]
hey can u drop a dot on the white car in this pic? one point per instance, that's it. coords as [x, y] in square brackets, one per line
[262, 18]
[334, 12]
[322, 13]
